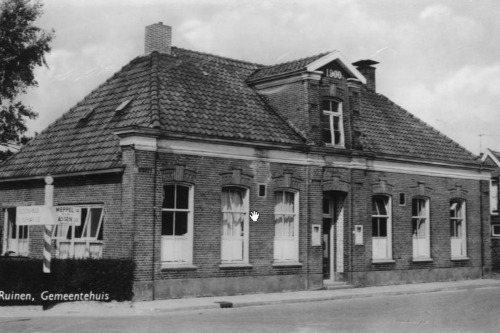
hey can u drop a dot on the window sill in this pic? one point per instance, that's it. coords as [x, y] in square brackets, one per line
[422, 260]
[334, 146]
[178, 266]
[383, 261]
[235, 265]
[287, 264]
[459, 258]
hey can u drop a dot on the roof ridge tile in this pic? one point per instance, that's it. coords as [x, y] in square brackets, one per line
[174, 48]
[154, 91]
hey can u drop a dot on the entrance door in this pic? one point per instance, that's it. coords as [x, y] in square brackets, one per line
[328, 239]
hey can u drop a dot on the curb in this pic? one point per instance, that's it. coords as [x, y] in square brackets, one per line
[241, 304]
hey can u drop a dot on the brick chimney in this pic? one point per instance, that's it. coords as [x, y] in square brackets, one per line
[158, 38]
[366, 68]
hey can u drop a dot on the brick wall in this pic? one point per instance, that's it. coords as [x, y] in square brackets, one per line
[439, 191]
[98, 189]
[207, 177]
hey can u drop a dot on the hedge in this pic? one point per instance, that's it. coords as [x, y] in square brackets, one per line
[78, 279]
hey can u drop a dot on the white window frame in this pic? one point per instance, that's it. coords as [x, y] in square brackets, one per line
[85, 246]
[286, 247]
[497, 232]
[382, 245]
[331, 115]
[458, 243]
[421, 243]
[234, 248]
[177, 250]
[494, 196]
[15, 246]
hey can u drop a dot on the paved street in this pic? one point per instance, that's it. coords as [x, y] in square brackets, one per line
[476, 310]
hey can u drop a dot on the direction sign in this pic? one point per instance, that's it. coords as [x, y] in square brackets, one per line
[34, 215]
[68, 215]
[47, 215]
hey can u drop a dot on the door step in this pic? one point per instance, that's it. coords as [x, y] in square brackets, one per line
[336, 285]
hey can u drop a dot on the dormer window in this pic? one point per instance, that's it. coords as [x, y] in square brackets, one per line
[333, 127]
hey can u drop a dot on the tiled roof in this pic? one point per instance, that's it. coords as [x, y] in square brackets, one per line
[389, 129]
[283, 68]
[188, 93]
[205, 95]
[72, 144]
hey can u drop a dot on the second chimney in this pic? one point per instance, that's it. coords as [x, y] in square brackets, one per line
[158, 38]
[366, 68]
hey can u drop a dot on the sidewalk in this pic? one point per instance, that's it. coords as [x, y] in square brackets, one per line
[113, 309]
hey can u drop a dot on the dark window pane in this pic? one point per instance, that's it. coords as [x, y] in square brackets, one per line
[382, 227]
[182, 197]
[402, 199]
[414, 209]
[452, 229]
[79, 229]
[334, 106]
[336, 123]
[379, 205]
[23, 232]
[95, 216]
[326, 206]
[169, 195]
[167, 223]
[326, 106]
[181, 223]
[99, 235]
[338, 138]
[375, 227]
[414, 226]
[262, 190]
[327, 136]
[12, 222]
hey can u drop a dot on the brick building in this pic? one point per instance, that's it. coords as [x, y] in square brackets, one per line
[491, 159]
[169, 157]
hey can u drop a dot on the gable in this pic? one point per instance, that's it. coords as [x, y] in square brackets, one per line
[491, 158]
[334, 64]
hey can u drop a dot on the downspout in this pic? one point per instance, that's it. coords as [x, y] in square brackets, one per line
[351, 217]
[481, 220]
[308, 224]
[154, 223]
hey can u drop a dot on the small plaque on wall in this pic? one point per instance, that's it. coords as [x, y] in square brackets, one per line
[358, 235]
[316, 235]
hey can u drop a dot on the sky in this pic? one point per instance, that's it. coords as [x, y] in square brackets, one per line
[439, 59]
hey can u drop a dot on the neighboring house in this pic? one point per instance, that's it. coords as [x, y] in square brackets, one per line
[492, 159]
[171, 154]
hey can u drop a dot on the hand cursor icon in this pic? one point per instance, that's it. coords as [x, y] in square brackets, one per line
[254, 215]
